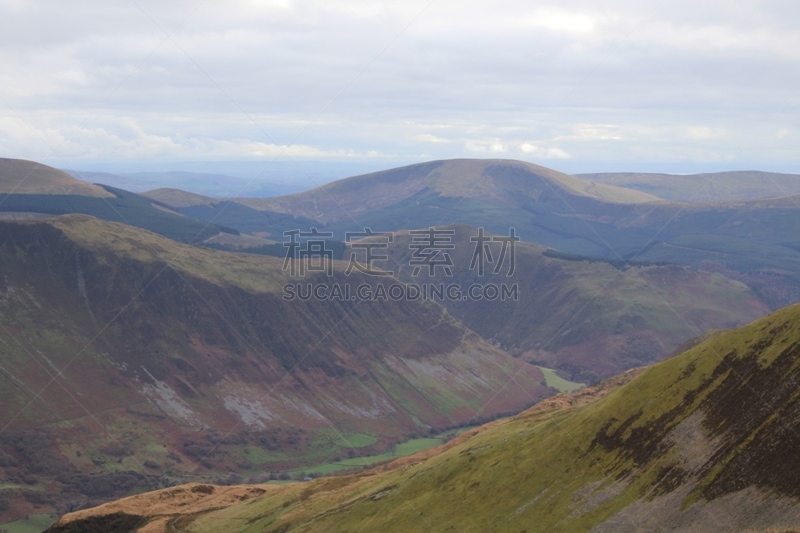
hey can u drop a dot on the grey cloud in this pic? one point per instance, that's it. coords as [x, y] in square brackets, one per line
[461, 79]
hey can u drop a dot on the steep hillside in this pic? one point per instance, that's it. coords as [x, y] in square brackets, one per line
[29, 187]
[130, 360]
[588, 319]
[705, 441]
[756, 242]
[711, 187]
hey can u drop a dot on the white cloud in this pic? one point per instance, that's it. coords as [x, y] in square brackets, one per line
[599, 132]
[493, 146]
[560, 20]
[540, 152]
[128, 140]
[428, 138]
[704, 133]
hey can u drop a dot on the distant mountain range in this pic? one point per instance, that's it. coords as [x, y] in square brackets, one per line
[610, 249]
[135, 356]
[221, 178]
[754, 241]
[199, 182]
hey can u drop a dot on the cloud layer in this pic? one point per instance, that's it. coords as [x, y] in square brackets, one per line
[578, 85]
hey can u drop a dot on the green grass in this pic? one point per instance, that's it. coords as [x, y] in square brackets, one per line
[557, 382]
[400, 450]
[30, 524]
[360, 440]
[416, 445]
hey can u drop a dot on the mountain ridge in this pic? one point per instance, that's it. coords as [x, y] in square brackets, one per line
[474, 178]
[146, 361]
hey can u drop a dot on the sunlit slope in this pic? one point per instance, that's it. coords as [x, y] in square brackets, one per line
[705, 441]
[178, 197]
[19, 176]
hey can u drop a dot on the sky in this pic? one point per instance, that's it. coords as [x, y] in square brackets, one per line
[580, 86]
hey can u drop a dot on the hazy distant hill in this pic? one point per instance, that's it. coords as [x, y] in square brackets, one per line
[546, 206]
[513, 184]
[130, 360]
[755, 241]
[708, 187]
[29, 187]
[220, 178]
[705, 441]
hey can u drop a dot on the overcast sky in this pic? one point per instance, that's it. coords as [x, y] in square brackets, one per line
[579, 86]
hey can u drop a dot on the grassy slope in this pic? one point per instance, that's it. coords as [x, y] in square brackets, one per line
[163, 339]
[118, 241]
[261, 279]
[684, 439]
